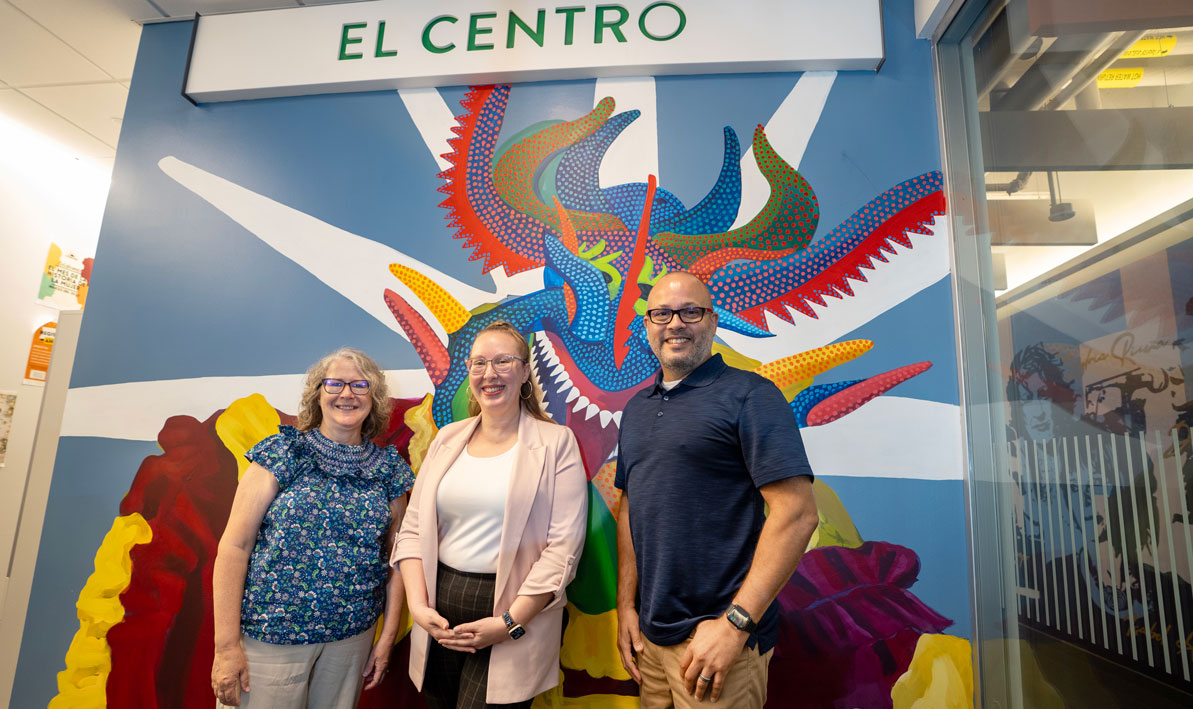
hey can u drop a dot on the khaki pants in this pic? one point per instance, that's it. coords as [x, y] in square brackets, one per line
[663, 684]
[321, 676]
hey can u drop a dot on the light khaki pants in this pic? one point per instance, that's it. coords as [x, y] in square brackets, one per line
[663, 686]
[319, 676]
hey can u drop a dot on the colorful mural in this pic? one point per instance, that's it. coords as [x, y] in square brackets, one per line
[553, 225]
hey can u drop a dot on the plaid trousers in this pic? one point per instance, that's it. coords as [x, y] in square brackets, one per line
[460, 680]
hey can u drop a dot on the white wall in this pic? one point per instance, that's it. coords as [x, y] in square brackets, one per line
[48, 194]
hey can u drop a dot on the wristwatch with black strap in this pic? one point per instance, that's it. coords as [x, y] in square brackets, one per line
[740, 619]
[514, 629]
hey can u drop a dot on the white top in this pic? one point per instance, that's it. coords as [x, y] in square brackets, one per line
[471, 508]
[668, 386]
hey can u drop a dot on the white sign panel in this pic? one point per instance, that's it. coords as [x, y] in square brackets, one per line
[391, 44]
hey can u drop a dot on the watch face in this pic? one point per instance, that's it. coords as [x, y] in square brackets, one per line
[736, 618]
[517, 631]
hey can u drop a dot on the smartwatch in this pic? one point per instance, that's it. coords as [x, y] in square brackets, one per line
[740, 619]
[515, 630]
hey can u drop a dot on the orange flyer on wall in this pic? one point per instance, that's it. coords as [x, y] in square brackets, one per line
[39, 354]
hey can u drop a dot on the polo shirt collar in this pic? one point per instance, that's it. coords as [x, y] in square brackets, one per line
[702, 376]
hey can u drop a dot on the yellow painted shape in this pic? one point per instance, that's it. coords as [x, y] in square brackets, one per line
[244, 424]
[1151, 45]
[554, 699]
[603, 482]
[590, 644]
[940, 675]
[83, 684]
[790, 370]
[419, 419]
[443, 305]
[732, 357]
[792, 390]
[1124, 78]
[835, 528]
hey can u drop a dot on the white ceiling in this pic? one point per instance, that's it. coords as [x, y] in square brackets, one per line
[65, 65]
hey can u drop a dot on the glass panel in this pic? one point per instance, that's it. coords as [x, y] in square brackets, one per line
[1069, 151]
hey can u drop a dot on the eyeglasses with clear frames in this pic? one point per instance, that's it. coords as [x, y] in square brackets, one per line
[501, 363]
[335, 386]
[664, 316]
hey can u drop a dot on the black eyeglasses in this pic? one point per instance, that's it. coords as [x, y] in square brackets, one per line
[663, 316]
[501, 363]
[335, 386]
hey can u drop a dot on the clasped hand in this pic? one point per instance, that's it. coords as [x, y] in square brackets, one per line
[465, 637]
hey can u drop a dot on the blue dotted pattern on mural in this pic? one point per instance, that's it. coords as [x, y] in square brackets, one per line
[587, 282]
[577, 181]
[717, 211]
[813, 395]
[731, 322]
[741, 285]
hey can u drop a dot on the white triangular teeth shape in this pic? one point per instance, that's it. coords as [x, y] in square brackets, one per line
[557, 369]
[606, 417]
[564, 384]
[580, 403]
[617, 418]
[593, 409]
[572, 396]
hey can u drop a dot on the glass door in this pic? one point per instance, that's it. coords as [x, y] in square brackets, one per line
[1069, 159]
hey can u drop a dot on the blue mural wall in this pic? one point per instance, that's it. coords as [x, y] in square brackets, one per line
[244, 240]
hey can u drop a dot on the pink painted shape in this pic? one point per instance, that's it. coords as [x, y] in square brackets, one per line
[848, 400]
[430, 350]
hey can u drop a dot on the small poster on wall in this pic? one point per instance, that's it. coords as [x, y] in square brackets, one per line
[8, 404]
[64, 279]
[39, 354]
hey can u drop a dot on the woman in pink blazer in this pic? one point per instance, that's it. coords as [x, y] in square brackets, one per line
[491, 538]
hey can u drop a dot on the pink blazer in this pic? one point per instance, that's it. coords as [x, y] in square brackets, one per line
[546, 516]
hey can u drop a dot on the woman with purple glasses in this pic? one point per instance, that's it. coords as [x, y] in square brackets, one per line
[301, 575]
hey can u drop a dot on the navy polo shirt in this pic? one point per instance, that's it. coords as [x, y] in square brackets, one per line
[691, 461]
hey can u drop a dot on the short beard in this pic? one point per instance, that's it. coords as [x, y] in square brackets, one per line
[686, 364]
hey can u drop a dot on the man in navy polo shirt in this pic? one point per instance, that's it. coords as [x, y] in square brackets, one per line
[699, 563]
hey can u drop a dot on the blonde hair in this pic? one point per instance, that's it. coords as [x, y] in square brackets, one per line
[310, 414]
[529, 392]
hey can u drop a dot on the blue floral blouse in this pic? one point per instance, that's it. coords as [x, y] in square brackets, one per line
[318, 570]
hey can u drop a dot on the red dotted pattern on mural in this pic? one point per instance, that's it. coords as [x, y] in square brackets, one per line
[479, 229]
[849, 400]
[832, 280]
[430, 350]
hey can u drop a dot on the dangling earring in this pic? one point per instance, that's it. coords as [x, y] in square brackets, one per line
[529, 389]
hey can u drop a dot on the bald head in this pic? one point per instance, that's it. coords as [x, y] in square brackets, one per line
[681, 346]
[679, 284]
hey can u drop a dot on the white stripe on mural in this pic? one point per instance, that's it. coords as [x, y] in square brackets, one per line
[306, 241]
[788, 130]
[136, 411]
[889, 284]
[890, 437]
[433, 119]
[635, 153]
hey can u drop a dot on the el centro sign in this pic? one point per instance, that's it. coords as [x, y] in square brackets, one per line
[391, 44]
